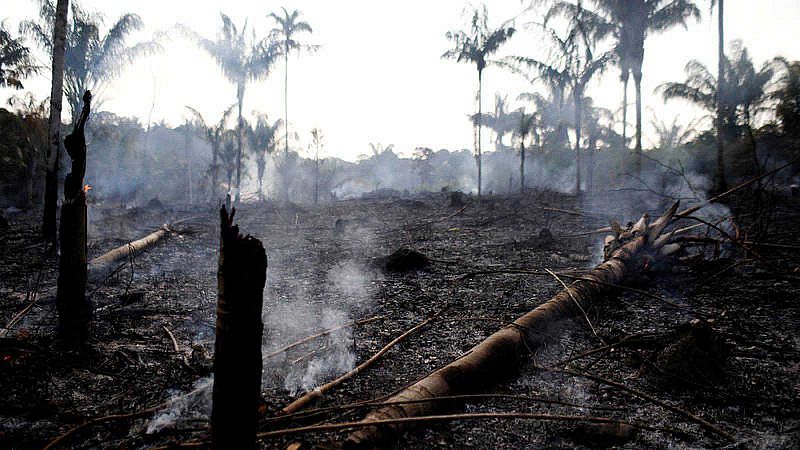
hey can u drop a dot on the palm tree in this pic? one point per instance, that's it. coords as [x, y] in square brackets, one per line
[474, 46]
[743, 92]
[576, 65]
[59, 32]
[288, 26]
[719, 175]
[263, 141]
[787, 96]
[597, 122]
[16, 63]
[213, 134]
[526, 126]
[316, 137]
[242, 59]
[91, 60]
[629, 22]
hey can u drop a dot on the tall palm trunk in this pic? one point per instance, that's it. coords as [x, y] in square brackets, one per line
[590, 149]
[54, 149]
[719, 176]
[624, 153]
[240, 95]
[522, 165]
[214, 152]
[578, 107]
[286, 101]
[637, 81]
[478, 143]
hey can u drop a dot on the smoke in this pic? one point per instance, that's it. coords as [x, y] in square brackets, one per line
[182, 406]
[307, 304]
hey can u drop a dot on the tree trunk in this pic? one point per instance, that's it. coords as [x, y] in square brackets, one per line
[501, 354]
[54, 149]
[590, 149]
[237, 350]
[74, 309]
[240, 97]
[286, 118]
[214, 151]
[624, 154]
[522, 165]
[719, 176]
[316, 178]
[637, 81]
[578, 107]
[106, 263]
[478, 143]
[26, 200]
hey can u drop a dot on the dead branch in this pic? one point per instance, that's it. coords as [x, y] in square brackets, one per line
[717, 198]
[321, 334]
[111, 417]
[172, 338]
[682, 412]
[318, 392]
[577, 305]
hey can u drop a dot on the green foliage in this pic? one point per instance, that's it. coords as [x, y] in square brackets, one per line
[16, 63]
[479, 41]
[787, 96]
[91, 59]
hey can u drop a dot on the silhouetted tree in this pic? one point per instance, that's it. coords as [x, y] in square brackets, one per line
[719, 175]
[33, 117]
[474, 46]
[285, 33]
[213, 134]
[787, 96]
[743, 92]
[575, 65]
[629, 22]
[526, 126]
[316, 142]
[16, 63]
[91, 59]
[57, 49]
[242, 58]
[263, 139]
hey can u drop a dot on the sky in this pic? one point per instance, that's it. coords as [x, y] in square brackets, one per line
[378, 76]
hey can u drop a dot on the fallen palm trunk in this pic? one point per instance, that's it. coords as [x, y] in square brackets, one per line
[241, 278]
[74, 308]
[502, 353]
[106, 263]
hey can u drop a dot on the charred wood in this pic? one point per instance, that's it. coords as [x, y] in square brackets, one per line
[74, 308]
[237, 350]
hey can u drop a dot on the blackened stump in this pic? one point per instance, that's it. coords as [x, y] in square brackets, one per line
[241, 277]
[74, 309]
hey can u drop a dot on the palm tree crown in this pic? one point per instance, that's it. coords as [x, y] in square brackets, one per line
[474, 46]
[15, 60]
[91, 59]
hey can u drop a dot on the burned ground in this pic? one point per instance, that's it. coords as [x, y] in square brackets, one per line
[725, 348]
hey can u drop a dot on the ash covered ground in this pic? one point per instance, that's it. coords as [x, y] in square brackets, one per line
[742, 373]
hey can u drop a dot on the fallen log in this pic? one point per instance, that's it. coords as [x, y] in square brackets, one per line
[108, 262]
[501, 354]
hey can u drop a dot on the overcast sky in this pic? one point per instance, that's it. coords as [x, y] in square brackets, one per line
[379, 76]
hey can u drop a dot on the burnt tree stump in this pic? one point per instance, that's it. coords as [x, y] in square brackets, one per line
[74, 308]
[241, 277]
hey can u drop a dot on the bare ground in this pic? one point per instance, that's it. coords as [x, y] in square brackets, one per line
[319, 277]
